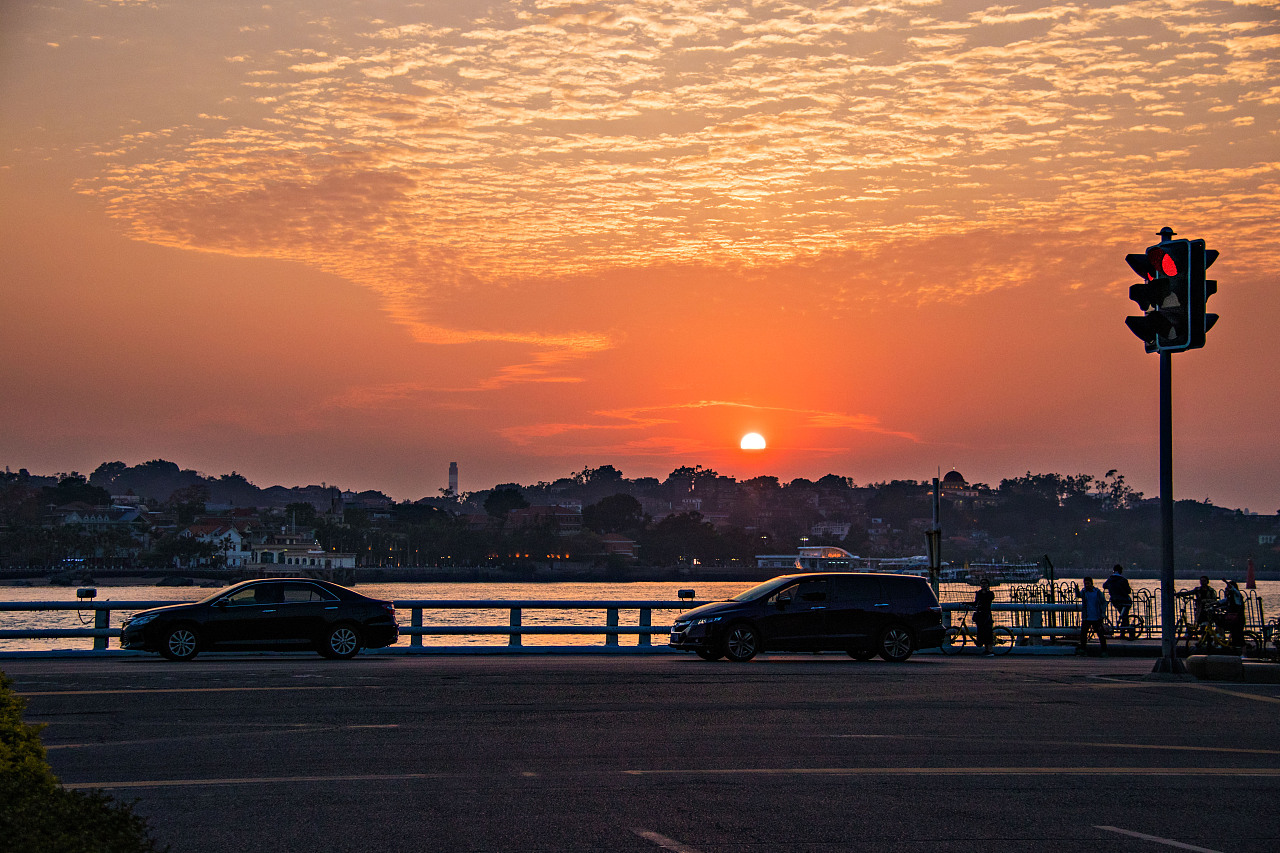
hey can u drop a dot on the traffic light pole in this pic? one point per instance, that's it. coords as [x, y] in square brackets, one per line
[1168, 661]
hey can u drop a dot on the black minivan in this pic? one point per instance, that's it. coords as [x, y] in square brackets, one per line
[864, 614]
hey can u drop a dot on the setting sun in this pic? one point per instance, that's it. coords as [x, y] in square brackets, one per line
[752, 441]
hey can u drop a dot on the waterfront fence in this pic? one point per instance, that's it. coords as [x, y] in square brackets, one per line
[1034, 613]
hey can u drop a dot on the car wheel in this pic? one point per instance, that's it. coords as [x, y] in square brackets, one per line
[181, 643]
[341, 643]
[895, 644]
[862, 654]
[708, 654]
[742, 642]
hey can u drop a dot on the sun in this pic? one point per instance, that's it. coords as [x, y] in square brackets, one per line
[752, 441]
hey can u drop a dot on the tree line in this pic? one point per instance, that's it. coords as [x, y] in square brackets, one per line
[693, 515]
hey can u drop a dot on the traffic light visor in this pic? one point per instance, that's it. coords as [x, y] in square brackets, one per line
[1141, 264]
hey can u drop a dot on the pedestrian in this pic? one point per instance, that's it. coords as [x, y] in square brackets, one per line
[1121, 594]
[982, 618]
[1205, 597]
[1233, 600]
[1093, 607]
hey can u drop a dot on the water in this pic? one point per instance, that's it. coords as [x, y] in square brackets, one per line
[1268, 592]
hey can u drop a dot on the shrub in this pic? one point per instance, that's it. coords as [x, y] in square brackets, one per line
[38, 815]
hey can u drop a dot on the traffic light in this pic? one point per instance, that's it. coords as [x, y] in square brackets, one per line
[1199, 289]
[1163, 295]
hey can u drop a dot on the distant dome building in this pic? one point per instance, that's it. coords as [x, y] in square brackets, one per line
[954, 481]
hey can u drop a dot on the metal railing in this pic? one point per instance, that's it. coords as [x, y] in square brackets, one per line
[515, 630]
[1031, 618]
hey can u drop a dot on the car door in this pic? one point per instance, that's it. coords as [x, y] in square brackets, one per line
[858, 611]
[305, 610]
[246, 617]
[795, 616]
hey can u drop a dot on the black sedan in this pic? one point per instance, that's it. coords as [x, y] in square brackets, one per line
[280, 613]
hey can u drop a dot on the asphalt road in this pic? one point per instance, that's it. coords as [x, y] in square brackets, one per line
[575, 754]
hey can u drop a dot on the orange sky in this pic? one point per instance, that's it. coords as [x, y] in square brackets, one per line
[354, 242]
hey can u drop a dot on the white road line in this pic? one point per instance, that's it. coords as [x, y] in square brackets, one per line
[1168, 842]
[269, 780]
[147, 691]
[664, 842]
[966, 771]
[1102, 744]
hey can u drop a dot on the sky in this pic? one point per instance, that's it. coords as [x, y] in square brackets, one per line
[352, 242]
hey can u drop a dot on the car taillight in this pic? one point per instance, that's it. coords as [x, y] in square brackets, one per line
[389, 607]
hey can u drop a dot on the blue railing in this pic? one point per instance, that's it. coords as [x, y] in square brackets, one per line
[1026, 620]
[515, 630]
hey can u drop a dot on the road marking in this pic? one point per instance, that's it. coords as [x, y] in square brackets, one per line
[664, 842]
[966, 771]
[1101, 744]
[1236, 693]
[1168, 842]
[1255, 772]
[146, 691]
[272, 780]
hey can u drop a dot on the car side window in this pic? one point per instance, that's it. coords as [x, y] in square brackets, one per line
[812, 592]
[295, 593]
[858, 592]
[242, 597]
[784, 596]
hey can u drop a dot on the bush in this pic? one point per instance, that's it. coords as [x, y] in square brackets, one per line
[38, 815]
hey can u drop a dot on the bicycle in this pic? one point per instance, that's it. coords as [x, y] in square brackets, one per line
[1211, 637]
[957, 636]
[1270, 641]
[1127, 631]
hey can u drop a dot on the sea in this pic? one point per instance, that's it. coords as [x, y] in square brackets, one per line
[1267, 597]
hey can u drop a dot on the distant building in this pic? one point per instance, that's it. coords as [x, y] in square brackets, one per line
[453, 478]
[614, 543]
[230, 540]
[294, 550]
[566, 520]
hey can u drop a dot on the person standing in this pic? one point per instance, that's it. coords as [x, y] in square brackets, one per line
[1093, 607]
[1121, 594]
[982, 617]
[1233, 600]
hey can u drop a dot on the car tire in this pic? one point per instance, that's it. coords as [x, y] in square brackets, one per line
[341, 642]
[708, 654]
[741, 642]
[862, 654]
[895, 644]
[181, 642]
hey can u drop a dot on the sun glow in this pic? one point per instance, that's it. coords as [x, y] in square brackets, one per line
[752, 441]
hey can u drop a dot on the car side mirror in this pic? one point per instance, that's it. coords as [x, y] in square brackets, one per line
[782, 603]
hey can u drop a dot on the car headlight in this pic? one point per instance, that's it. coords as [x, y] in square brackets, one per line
[141, 620]
[706, 621]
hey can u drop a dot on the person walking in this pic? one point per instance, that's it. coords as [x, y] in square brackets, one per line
[1093, 607]
[1117, 586]
[982, 618]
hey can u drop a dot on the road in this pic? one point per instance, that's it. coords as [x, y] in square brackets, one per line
[574, 754]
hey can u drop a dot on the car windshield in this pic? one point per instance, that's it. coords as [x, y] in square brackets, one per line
[760, 591]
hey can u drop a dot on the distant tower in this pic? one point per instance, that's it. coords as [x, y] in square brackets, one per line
[453, 478]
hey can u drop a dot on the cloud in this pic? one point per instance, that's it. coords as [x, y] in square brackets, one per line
[444, 158]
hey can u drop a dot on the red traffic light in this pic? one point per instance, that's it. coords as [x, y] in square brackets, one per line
[1161, 261]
